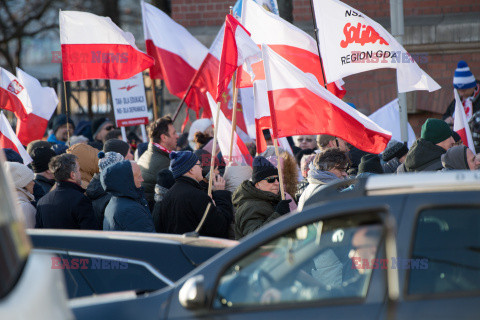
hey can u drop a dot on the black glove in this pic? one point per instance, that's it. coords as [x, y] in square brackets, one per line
[283, 207]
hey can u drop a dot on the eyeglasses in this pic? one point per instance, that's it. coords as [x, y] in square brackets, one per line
[198, 164]
[108, 128]
[343, 168]
[305, 139]
[272, 179]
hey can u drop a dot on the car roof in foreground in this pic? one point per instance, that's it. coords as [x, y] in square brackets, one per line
[136, 236]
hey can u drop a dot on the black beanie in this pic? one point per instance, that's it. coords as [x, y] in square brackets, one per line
[395, 149]
[165, 178]
[41, 156]
[116, 145]
[262, 168]
[97, 125]
[370, 163]
[59, 121]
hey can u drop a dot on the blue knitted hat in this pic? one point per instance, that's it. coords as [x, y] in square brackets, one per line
[182, 162]
[463, 78]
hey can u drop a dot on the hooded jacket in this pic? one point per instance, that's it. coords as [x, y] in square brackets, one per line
[254, 208]
[87, 159]
[455, 159]
[151, 162]
[24, 199]
[99, 197]
[183, 206]
[317, 179]
[423, 156]
[127, 209]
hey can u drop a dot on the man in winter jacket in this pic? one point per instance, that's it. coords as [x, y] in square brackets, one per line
[425, 154]
[258, 202]
[329, 166]
[127, 209]
[184, 205]
[163, 139]
[65, 207]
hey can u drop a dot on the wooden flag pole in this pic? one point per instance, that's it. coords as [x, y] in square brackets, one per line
[214, 151]
[155, 107]
[234, 114]
[280, 173]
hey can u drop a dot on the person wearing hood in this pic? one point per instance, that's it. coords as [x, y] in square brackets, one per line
[460, 158]
[127, 210]
[425, 153]
[22, 178]
[258, 202]
[394, 155]
[184, 205]
[61, 130]
[88, 160]
[329, 166]
[95, 191]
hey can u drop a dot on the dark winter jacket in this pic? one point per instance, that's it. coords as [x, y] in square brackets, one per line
[99, 197]
[183, 206]
[422, 156]
[391, 166]
[254, 208]
[151, 162]
[65, 207]
[127, 209]
[44, 183]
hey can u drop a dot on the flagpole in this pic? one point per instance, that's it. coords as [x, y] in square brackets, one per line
[155, 111]
[316, 40]
[234, 115]
[214, 151]
[280, 173]
[66, 109]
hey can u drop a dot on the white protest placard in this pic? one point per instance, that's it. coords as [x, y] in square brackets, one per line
[129, 102]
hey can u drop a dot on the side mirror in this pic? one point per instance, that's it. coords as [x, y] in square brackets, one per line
[192, 293]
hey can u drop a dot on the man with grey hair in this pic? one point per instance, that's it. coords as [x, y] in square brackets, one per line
[329, 166]
[66, 207]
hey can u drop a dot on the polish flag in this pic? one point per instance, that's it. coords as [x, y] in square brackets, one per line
[13, 95]
[290, 42]
[178, 55]
[350, 43]
[8, 139]
[93, 47]
[240, 154]
[44, 102]
[300, 106]
[237, 49]
[460, 123]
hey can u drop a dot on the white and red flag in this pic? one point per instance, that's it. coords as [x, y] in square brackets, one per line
[13, 95]
[44, 101]
[460, 123]
[240, 154]
[238, 48]
[178, 55]
[8, 139]
[300, 106]
[350, 43]
[94, 47]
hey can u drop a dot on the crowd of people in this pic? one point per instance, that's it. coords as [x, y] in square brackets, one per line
[87, 177]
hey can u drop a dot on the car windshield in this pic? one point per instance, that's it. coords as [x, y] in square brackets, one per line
[322, 260]
[15, 245]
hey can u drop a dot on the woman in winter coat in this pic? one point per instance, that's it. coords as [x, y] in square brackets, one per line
[22, 177]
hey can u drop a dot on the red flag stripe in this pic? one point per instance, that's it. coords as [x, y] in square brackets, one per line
[31, 128]
[11, 102]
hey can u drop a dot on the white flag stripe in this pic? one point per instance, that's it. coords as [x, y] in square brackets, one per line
[460, 121]
[87, 28]
[171, 36]
[11, 83]
[284, 72]
[7, 131]
[44, 99]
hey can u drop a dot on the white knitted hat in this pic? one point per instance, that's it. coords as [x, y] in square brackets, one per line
[20, 173]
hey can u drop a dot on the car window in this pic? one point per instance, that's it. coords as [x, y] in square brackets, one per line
[107, 275]
[447, 243]
[322, 260]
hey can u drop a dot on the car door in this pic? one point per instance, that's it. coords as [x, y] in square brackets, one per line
[325, 268]
[442, 232]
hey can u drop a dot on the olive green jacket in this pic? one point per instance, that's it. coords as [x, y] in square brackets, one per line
[151, 162]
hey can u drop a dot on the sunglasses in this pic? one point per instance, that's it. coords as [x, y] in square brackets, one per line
[108, 128]
[272, 179]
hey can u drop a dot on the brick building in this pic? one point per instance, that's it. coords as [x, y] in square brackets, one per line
[438, 32]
